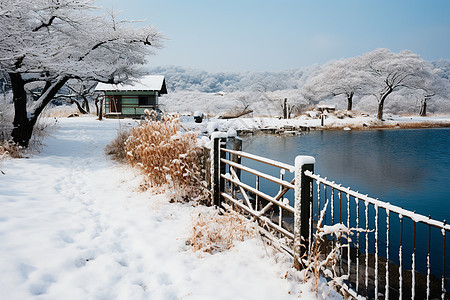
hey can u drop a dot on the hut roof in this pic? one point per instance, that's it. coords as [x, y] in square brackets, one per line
[146, 83]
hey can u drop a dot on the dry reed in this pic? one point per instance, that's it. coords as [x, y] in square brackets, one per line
[171, 159]
[212, 232]
[10, 149]
[60, 111]
[116, 148]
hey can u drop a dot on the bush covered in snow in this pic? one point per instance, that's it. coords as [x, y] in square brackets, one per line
[171, 159]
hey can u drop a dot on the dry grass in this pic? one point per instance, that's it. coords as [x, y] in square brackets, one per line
[327, 247]
[10, 149]
[116, 149]
[171, 159]
[61, 111]
[214, 233]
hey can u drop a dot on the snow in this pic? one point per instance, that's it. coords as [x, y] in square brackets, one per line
[146, 83]
[331, 122]
[74, 225]
[304, 160]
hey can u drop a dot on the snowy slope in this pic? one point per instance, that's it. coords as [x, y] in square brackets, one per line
[73, 225]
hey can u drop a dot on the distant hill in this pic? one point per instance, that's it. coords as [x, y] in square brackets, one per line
[182, 79]
[264, 92]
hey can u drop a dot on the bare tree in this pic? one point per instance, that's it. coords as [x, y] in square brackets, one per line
[83, 90]
[393, 71]
[435, 84]
[343, 77]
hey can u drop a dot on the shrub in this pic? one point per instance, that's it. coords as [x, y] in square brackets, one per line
[116, 149]
[60, 111]
[213, 232]
[171, 159]
[9, 149]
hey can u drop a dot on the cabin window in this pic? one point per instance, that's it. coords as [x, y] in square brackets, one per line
[147, 100]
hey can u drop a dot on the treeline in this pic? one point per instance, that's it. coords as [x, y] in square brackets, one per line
[377, 81]
[181, 79]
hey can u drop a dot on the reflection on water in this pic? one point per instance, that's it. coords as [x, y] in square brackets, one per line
[409, 168]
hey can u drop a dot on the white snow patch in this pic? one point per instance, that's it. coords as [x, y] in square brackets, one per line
[73, 225]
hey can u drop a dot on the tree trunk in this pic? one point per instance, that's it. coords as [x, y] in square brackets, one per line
[20, 133]
[80, 108]
[285, 109]
[423, 108]
[96, 106]
[381, 104]
[380, 110]
[85, 105]
[349, 101]
[24, 123]
[100, 112]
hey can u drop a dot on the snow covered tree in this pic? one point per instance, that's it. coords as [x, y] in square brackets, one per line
[52, 41]
[83, 91]
[341, 77]
[433, 85]
[393, 71]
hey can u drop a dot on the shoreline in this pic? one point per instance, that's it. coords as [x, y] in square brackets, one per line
[412, 125]
[276, 126]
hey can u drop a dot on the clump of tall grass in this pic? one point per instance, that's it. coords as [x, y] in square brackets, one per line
[116, 148]
[171, 159]
[326, 251]
[213, 232]
[10, 149]
[59, 111]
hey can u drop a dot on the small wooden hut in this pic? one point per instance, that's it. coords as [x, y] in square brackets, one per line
[130, 100]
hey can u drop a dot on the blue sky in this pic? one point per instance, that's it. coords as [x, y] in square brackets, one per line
[274, 35]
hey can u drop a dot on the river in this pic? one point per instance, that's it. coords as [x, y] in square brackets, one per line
[409, 168]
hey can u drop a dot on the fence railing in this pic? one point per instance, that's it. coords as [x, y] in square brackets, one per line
[393, 252]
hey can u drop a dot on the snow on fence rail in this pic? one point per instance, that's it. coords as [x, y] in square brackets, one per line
[398, 254]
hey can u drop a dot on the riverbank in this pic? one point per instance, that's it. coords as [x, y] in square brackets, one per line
[338, 121]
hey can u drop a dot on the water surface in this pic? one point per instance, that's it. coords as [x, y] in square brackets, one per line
[408, 168]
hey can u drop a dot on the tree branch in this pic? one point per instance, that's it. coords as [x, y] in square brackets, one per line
[48, 24]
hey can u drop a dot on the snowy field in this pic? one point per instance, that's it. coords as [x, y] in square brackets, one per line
[73, 225]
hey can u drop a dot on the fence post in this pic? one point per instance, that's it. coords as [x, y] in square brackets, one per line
[217, 183]
[222, 167]
[303, 198]
[237, 146]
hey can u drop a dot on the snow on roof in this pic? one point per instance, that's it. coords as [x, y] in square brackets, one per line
[146, 83]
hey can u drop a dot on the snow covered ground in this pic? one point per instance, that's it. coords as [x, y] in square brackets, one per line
[74, 225]
[359, 121]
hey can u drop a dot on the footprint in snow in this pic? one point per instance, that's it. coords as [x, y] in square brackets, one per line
[164, 279]
[83, 259]
[26, 270]
[66, 237]
[41, 286]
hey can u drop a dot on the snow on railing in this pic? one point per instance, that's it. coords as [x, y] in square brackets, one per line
[369, 260]
[394, 266]
[273, 212]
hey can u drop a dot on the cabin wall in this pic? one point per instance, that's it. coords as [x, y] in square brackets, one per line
[130, 102]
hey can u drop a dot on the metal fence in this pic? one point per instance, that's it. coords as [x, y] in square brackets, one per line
[391, 253]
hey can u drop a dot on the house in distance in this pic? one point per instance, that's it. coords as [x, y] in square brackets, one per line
[130, 100]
